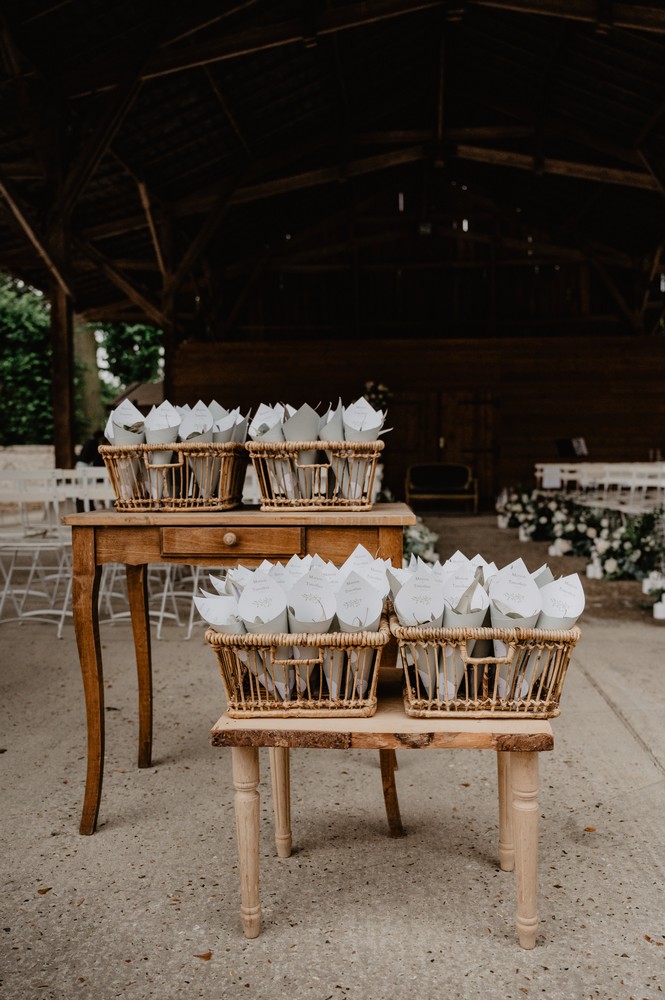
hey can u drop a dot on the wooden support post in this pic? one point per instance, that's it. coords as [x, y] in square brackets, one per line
[62, 377]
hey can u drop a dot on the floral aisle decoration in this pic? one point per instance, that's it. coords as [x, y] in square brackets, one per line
[653, 586]
[419, 540]
[619, 546]
[631, 547]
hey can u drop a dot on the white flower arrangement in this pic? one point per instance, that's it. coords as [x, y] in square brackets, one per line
[419, 540]
[619, 546]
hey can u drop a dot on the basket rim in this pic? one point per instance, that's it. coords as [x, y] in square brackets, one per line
[376, 639]
[270, 447]
[416, 632]
[109, 450]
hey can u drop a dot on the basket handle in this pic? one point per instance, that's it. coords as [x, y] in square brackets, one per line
[505, 660]
[308, 465]
[166, 465]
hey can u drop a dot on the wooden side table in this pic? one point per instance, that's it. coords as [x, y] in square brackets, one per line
[225, 538]
[517, 744]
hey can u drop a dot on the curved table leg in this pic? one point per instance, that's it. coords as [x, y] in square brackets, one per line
[524, 784]
[281, 796]
[85, 596]
[137, 591]
[388, 764]
[245, 780]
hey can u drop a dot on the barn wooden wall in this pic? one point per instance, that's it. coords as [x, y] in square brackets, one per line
[499, 404]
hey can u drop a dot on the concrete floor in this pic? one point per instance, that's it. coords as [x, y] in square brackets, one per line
[148, 907]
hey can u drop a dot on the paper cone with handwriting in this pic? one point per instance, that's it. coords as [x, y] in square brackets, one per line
[311, 609]
[303, 425]
[263, 609]
[196, 428]
[359, 608]
[466, 606]
[515, 601]
[331, 428]
[237, 579]
[396, 579]
[543, 575]
[222, 428]
[161, 427]
[362, 422]
[218, 411]
[220, 611]
[420, 601]
[239, 434]
[125, 425]
[563, 602]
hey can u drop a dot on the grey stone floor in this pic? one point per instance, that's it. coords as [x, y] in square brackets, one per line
[148, 907]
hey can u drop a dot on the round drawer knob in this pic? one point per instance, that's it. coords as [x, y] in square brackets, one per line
[230, 538]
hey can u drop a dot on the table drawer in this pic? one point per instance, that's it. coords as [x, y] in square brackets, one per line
[232, 541]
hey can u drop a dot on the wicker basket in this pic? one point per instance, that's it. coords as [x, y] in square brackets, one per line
[197, 477]
[344, 479]
[456, 671]
[285, 675]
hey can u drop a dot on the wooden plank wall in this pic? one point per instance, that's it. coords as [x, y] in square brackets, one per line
[611, 391]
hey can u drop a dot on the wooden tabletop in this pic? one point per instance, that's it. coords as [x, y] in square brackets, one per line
[389, 729]
[381, 515]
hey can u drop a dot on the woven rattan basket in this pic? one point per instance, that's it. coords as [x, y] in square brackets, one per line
[196, 477]
[342, 476]
[459, 671]
[317, 675]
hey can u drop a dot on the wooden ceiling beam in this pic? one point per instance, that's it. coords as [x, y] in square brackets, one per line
[251, 281]
[632, 16]
[633, 317]
[21, 214]
[198, 245]
[327, 175]
[563, 168]
[134, 293]
[264, 38]
[152, 225]
[655, 168]
[14, 59]
[97, 145]
[22, 170]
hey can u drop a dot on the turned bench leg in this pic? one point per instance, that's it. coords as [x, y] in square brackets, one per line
[281, 797]
[506, 848]
[245, 780]
[524, 784]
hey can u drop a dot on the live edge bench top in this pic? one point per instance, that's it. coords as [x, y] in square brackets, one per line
[389, 729]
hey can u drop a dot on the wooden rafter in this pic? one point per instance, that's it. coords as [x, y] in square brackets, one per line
[152, 225]
[250, 283]
[656, 266]
[640, 16]
[326, 175]
[13, 59]
[631, 315]
[21, 214]
[91, 154]
[274, 36]
[564, 168]
[134, 293]
[655, 168]
[200, 242]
